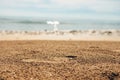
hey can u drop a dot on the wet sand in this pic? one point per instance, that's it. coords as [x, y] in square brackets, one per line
[59, 60]
[99, 35]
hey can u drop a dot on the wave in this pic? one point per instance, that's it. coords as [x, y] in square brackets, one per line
[73, 32]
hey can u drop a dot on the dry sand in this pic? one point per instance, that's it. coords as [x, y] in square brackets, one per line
[59, 60]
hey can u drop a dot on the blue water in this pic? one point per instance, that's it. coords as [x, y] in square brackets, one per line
[40, 24]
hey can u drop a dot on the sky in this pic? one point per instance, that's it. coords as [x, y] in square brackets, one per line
[81, 9]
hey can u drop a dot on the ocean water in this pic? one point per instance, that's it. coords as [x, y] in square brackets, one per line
[41, 25]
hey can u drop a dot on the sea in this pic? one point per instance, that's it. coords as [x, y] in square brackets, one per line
[40, 24]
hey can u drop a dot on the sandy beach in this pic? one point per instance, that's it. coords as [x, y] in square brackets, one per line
[61, 55]
[59, 39]
[59, 60]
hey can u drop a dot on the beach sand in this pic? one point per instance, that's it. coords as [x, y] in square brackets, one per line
[61, 55]
[59, 60]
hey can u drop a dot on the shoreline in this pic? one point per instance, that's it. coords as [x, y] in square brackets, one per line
[88, 35]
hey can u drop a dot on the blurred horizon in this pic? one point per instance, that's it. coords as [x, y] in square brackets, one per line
[72, 14]
[36, 24]
[77, 9]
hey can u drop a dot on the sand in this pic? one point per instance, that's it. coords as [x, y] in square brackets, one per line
[59, 60]
[61, 55]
